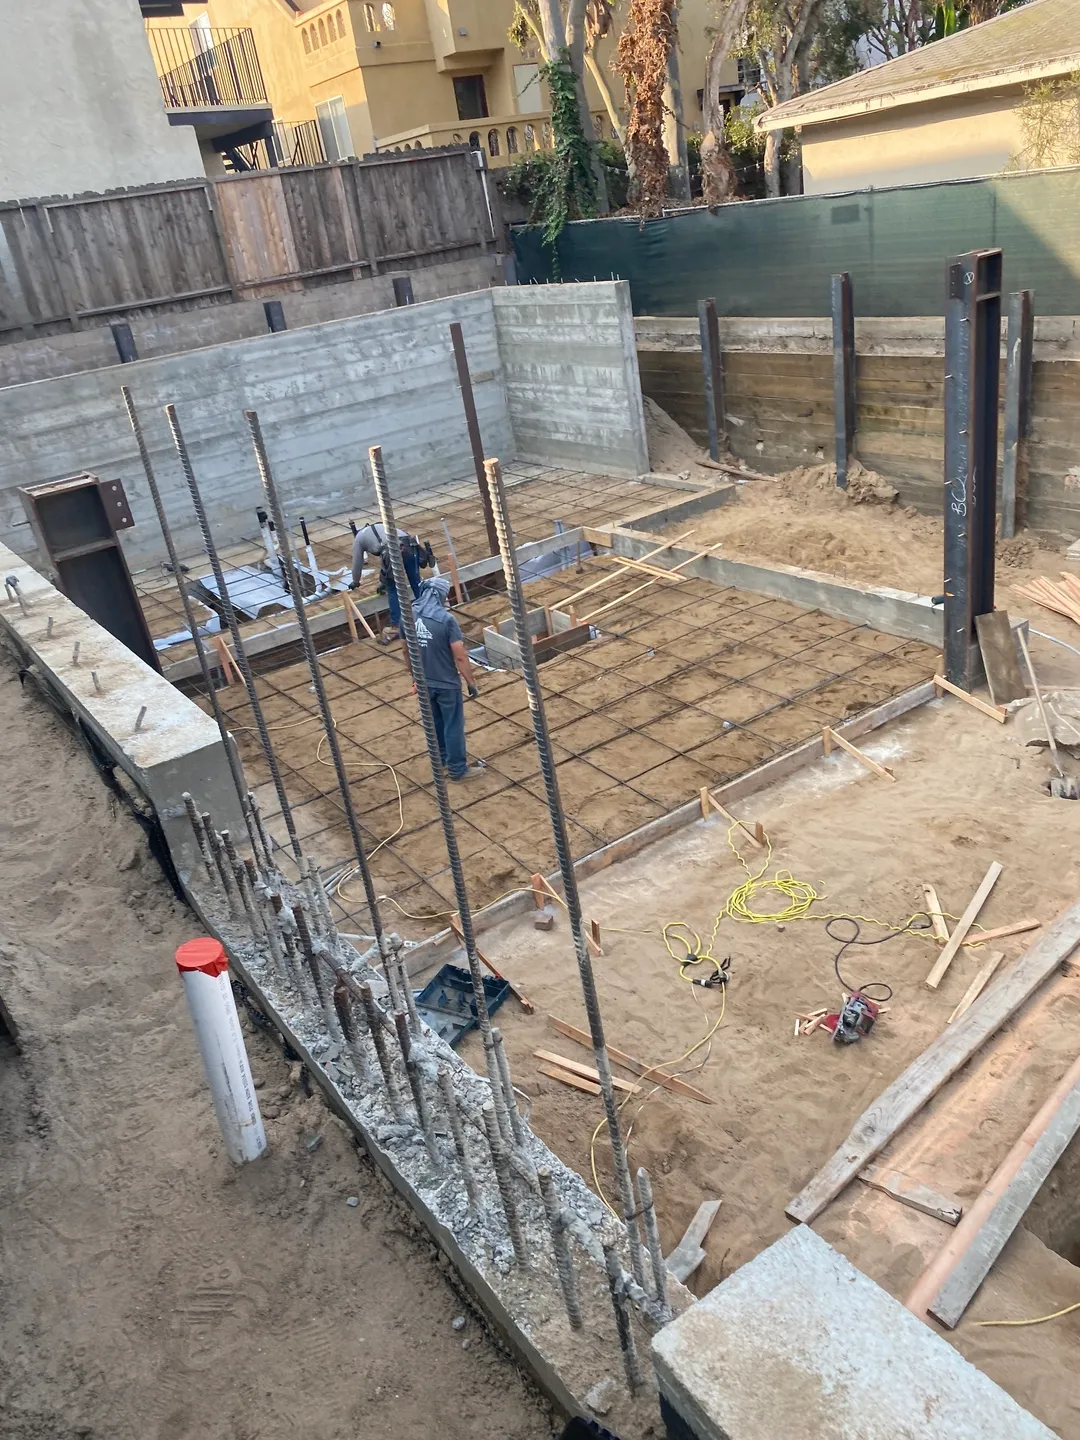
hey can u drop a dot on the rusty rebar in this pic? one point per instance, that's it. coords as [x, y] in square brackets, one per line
[652, 1234]
[501, 1166]
[374, 1024]
[457, 1132]
[517, 1129]
[343, 1002]
[195, 821]
[621, 1307]
[564, 1264]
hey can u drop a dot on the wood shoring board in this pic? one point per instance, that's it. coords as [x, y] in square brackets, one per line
[647, 1072]
[619, 572]
[978, 985]
[948, 1284]
[994, 711]
[913, 1193]
[937, 1064]
[522, 999]
[540, 884]
[1000, 661]
[829, 737]
[963, 925]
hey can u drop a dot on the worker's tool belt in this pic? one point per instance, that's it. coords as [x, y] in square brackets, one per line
[411, 547]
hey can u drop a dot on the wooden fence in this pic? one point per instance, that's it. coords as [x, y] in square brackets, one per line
[69, 263]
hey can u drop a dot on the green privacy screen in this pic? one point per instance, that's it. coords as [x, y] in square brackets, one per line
[775, 257]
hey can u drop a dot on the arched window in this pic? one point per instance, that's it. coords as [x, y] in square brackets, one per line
[530, 138]
[389, 19]
[474, 141]
[493, 142]
[598, 126]
[455, 139]
[511, 141]
[369, 18]
[313, 31]
[545, 134]
[322, 32]
[340, 26]
[307, 42]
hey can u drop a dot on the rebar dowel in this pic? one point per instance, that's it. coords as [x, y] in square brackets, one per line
[261, 831]
[75, 656]
[412, 1070]
[234, 630]
[391, 978]
[507, 1086]
[273, 931]
[228, 879]
[405, 986]
[291, 967]
[457, 1132]
[215, 849]
[652, 1234]
[322, 903]
[307, 949]
[542, 736]
[500, 1164]
[564, 1263]
[195, 821]
[374, 1024]
[258, 933]
[343, 1006]
[292, 577]
[235, 768]
[622, 1318]
[446, 814]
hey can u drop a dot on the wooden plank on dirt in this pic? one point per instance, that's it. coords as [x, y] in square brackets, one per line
[994, 713]
[1000, 660]
[589, 1086]
[913, 1193]
[587, 1071]
[978, 985]
[647, 1072]
[947, 1285]
[689, 1253]
[937, 919]
[964, 924]
[922, 1080]
[1016, 928]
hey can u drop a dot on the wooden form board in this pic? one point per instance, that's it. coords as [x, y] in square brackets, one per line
[978, 985]
[963, 925]
[1000, 660]
[912, 1193]
[585, 1071]
[922, 1080]
[648, 1073]
[576, 1082]
[992, 711]
[690, 1251]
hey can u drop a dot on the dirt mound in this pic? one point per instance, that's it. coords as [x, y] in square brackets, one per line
[671, 450]
[864, 486]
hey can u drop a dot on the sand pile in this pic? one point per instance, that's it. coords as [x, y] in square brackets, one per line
[672, 451]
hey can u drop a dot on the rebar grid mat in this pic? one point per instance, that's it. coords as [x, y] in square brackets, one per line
[541, 495]
[690, 684]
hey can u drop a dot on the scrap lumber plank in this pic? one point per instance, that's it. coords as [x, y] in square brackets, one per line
[710, 802]
[230, 671]
[940, 683]
[913, 1193]
[590, 938]
[617, 574]
[656, 570]
[964, 924]
[829, 736]
[525, 1003]
[577, 1081]
[352, 614]
[585, 1071]
[998, 649]
[649, 583]
[1016, 928]
[647, 1072]
[689, 1253]
[933, 909]
[603, 538]
[947, 1285]
[941, 1059]
[978, 985]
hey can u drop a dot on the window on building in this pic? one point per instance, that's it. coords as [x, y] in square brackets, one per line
[322, 32]
[314, 33]
[530, 138]
[340, 26]
[307, 42]
[201, 33]
[749, 74]
[389, 19]
[334, 128]
[471, 97]
[493, 142]
[511, 141]
[527, 89]
[370, 18]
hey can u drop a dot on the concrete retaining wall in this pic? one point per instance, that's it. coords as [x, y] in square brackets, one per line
[47, 356]
[571, 373]
[324, 394]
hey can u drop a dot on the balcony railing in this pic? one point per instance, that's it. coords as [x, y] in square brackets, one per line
[502, 137]
[203, 69]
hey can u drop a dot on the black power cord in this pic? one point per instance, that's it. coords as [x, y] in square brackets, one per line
[877, 985]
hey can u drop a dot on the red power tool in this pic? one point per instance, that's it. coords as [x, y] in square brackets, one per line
[855, 1020]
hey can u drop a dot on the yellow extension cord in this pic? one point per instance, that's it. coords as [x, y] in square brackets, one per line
[1038, 1320]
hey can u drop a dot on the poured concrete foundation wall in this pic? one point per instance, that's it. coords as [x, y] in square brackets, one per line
[47, 356]
[571, 373]
[323, 393]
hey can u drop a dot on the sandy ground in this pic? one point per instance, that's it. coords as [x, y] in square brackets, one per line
[150, 1290]
[966, 794]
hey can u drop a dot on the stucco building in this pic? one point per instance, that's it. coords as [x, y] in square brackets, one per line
[948, 111]
[385, 74]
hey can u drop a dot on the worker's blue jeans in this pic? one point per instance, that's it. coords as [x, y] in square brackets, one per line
[448, 708]
[412, 570]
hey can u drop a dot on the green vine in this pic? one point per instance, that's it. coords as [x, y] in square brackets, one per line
[567, 190]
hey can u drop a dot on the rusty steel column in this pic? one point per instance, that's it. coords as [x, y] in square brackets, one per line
[461, 360]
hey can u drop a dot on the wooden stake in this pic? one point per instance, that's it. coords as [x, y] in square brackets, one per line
[538, 892]
[994, 711]
[586, 1071]
[354, 613]
[933, 909]
[594, 928]
[978, 985]
[229, 669]
[523, 1001]
[830, 736]
[970, 915]
[650, 1073]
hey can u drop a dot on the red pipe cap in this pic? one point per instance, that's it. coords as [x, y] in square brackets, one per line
[205, 955]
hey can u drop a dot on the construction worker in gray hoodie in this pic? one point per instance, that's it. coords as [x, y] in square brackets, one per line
[446, 664]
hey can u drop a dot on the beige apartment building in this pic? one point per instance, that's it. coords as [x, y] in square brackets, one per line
[350, 77]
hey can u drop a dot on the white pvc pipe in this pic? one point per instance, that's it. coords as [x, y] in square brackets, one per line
[205, 973]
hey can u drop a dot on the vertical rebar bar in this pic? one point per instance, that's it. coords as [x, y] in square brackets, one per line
[273, 930]
[542, 736]
[416, 1085]
[234, 629]
[235, 768]
[291, 968]
[261, 831]
[195, 821]
[652, 1235]
[446, 814]
[215, 849]
[374, 1024]
[501, 1165]
[405, 986]
[564, 1263]
[508, 1086]
[322, 903]
[295, 589]
[318, 979]
[622, 1318]
[343, 1006]
[258, 933]
[228, 880]
[457, 1131]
